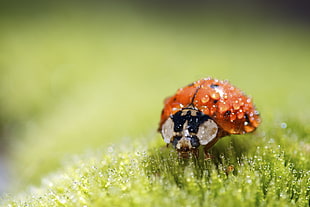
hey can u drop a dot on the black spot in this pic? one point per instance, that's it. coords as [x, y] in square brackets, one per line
[215, 101]
[199, 113]
[195, 121]
[247, 119]
[195, 142]
[179, 121]
[193, 124]
[227, 113]
[174, 99]
[214, 85]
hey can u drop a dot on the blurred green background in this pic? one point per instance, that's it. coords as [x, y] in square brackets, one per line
[76, 76]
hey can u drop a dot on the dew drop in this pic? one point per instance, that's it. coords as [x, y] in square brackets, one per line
[62, 200]
[215, 95]
[233, 117]
[223, 107]
[240, 115]
[248, 179]
[206, 111]
[212, 110]
[205, 99]
[283, 125]
[110, 149]
[236, 105]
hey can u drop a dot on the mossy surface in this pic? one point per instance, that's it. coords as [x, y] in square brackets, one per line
[267, 174]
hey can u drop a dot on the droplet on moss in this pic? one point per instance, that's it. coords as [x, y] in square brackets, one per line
[283, 125]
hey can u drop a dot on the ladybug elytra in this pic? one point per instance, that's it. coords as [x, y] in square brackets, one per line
[203, 112]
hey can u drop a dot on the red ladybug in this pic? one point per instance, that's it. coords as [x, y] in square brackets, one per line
[203, 112]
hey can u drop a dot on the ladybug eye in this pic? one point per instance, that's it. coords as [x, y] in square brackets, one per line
[207, 131]
[167, 130]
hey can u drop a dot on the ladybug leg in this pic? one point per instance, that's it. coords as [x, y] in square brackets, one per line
[208, 156]
[183, 155]
[195, 153]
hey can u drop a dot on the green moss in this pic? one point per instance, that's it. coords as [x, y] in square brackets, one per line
[155, 177]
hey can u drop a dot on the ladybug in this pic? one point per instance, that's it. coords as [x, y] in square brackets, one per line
[203, 112]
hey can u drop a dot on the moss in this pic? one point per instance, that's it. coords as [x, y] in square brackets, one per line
[157, 177]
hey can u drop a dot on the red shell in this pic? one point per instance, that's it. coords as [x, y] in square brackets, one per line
[227, 105]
